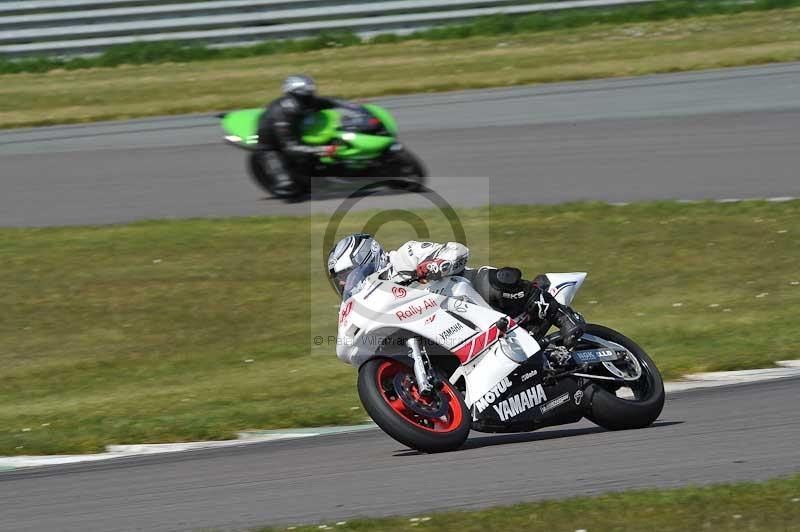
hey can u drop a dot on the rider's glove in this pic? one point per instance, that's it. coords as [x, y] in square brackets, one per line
[433, 269]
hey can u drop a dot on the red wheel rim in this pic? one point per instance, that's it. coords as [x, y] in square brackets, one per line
[449, 422]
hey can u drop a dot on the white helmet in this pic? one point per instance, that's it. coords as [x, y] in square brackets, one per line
[358, 249]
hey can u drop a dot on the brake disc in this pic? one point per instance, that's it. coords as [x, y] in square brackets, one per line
[436, 408]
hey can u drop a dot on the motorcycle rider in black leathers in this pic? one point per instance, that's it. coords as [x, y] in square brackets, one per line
[502, 288]
[287, 159]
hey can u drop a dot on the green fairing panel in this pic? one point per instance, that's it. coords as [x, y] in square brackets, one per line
[321, 128]
[365, 146]
[384, 116]
[243, 124]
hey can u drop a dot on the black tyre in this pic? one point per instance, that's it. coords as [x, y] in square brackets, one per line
[616, 413]
[387, 389]
[411, 170]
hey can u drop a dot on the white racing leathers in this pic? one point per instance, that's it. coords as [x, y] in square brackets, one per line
[452, 258]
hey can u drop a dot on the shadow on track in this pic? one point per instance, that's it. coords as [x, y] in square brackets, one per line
[329, 191]
[525, 437]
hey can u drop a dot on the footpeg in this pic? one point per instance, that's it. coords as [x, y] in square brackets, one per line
[559, 356]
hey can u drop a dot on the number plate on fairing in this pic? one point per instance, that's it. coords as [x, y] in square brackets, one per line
[592, 356]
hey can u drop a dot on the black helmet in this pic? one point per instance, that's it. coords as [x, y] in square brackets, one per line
[301, 87]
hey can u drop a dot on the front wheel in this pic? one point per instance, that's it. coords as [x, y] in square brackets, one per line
[410, 168]
[388, 391]
[612, 406]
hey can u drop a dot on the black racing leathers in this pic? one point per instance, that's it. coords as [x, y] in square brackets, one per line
[280, 127]
[280, 133]
[505, 290]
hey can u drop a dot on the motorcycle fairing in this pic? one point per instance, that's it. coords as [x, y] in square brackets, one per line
[492, 366]
[242, 126]
[524, 401]
[323, 128]
[318, 129]
[384, 116]
[449, 314]
[383, 309]
[564, 286]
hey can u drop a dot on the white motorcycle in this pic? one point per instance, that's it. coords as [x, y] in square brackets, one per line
[435, 360]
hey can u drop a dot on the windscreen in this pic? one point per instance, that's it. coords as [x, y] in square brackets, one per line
[355, 280]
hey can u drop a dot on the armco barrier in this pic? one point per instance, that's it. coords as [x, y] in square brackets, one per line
[69, 27]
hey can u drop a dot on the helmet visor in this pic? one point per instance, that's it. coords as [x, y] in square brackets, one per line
[340, 279]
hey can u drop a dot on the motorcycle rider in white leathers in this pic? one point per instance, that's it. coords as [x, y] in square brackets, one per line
[504, 289]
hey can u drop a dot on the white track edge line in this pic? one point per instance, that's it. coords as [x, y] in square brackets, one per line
[785, 369]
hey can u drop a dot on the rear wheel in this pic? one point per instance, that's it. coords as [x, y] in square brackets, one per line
[435, 423]
[637, 403]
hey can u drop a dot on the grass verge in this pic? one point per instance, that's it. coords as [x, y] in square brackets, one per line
[759, 507]
[175, 51]
[190, 330]
[436, 62]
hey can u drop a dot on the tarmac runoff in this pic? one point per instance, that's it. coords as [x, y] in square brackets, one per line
[785, 369]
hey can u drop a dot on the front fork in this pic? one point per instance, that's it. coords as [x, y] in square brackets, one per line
[423, 371]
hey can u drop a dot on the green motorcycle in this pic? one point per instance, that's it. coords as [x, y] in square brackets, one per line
[363, 146]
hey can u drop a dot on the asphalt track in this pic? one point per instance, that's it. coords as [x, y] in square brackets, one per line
[707, 135]
[737, 433]
[704, 135]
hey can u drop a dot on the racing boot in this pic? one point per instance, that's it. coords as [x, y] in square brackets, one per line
[542, 305]
[283, 186]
